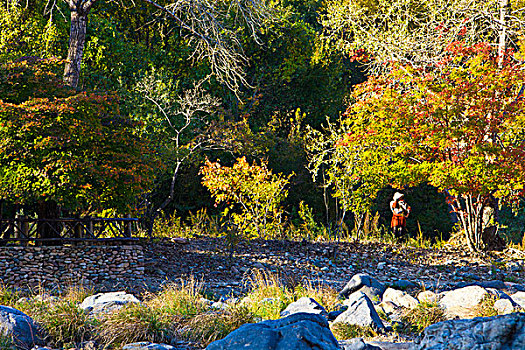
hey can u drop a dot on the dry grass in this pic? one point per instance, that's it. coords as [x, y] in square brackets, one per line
[486, 307]
[344, 331]
[137, 322]
[214, 325]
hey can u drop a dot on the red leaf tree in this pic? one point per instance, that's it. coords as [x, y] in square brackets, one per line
[61, 148]
[458, 125]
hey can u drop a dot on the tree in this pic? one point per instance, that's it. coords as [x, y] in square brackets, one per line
[417, 32]
[180, 124]
[255, 189]
[61, 148]
[77, 39]
[211, 25]
[458, 125]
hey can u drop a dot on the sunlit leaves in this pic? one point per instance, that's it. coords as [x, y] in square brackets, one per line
[252, 194]
[72, 148]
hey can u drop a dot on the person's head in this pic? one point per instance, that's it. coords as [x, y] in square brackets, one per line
[398, 196]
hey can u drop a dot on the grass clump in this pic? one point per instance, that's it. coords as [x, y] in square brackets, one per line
[486, 307]
[184, 299]
[324, 295]
[8, 297]
[64, 323]
[344, 331]
[422, 316]
[268, 297]
[137, 322]
[7, 343]
[211, 326]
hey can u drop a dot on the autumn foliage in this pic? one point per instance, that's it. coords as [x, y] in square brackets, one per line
[458, 125]
[251, 193]
[74, 149]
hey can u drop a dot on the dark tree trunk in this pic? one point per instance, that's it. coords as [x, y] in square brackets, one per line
[77, 39]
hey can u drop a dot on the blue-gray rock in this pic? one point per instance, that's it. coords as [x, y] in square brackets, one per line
[505, 332]
[496, 284]
[304, 304]
[301, 331]
[147, 346]
[19, 326]
[403, 284]
[366, 284]
[356, 344]
[360, 312]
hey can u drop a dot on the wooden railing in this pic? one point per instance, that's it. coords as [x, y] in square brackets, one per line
[23, 229]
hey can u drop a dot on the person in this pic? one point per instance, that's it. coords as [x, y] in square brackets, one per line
[400, 211]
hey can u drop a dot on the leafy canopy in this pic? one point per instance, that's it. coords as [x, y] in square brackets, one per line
[60, 145]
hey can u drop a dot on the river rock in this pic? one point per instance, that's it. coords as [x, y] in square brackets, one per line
[301, 331]
[428, 297]
[304, 304]
[504, 306]
[360, 312]
[366, 284]
[519, 298]
[103, 303]
[480, 333]
[19, 326]
[462, 302]
[400, 298]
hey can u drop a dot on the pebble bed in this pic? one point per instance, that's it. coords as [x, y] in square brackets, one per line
[50, 266]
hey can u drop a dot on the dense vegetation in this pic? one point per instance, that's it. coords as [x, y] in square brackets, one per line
[161, 113]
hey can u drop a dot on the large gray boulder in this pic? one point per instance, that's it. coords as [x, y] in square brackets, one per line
[104, 303]
[366, 284]
[462, 302]
[505, 332]
[360, 312]
[20, 327]
[304, 304]
[301, 331]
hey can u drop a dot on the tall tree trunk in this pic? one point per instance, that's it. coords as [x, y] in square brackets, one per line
[504, 7]
[77, 39]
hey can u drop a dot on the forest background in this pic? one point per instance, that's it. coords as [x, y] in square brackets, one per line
[180, 115]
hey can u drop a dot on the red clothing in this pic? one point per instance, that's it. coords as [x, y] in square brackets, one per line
[400, 211]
